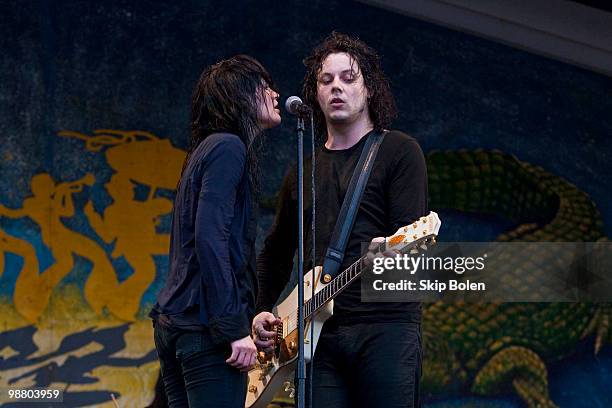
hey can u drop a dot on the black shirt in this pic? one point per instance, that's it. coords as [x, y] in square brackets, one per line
[211, 279]
[395, 195]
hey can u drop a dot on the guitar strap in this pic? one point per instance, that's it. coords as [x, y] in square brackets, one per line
[346, 219]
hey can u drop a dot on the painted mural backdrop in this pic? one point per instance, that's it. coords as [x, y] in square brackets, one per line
[75, 314]
[94, 113]
[72, 316]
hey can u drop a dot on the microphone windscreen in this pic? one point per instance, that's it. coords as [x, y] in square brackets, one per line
[291, 102]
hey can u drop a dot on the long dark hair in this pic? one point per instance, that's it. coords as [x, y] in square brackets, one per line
[226, 99]
[381, 104]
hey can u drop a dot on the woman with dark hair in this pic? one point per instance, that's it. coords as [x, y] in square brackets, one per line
[202, 316]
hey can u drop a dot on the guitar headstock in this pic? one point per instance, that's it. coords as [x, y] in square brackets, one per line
[422, 233]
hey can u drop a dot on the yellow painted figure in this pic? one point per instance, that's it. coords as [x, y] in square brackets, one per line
[136, 157]
[48, 204]
[132, 225]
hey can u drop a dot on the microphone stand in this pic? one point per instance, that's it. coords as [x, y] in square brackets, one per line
[314, 254]
[301, 364]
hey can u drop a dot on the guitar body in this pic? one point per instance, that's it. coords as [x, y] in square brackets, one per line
[273, 370]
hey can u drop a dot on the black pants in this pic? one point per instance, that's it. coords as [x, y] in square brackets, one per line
[194, 370]
[368, 365]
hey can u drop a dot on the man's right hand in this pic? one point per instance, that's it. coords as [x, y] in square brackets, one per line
[263, 331]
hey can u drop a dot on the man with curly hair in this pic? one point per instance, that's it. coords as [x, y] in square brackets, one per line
[368, 354]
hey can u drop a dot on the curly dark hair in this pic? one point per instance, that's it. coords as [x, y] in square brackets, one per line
[226, 99]
[381, 104]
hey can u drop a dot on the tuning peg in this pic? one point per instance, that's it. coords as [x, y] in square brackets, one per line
[414, 251]
[423, 246]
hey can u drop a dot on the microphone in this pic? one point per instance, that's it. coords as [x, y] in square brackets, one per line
[295, 106]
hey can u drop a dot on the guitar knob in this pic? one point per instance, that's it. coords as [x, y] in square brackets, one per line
[261, 357]
[252, 389]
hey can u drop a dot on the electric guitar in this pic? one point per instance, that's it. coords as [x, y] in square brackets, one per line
[271, 370]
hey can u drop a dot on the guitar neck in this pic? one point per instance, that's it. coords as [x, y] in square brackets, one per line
[340, 282]
[420, 234]
[337, 285]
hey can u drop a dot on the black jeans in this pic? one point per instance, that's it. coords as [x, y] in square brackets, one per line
[194, 370]
[368, 365]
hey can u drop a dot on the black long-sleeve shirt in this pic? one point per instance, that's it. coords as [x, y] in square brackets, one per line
[211, 279]
[395, 195]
